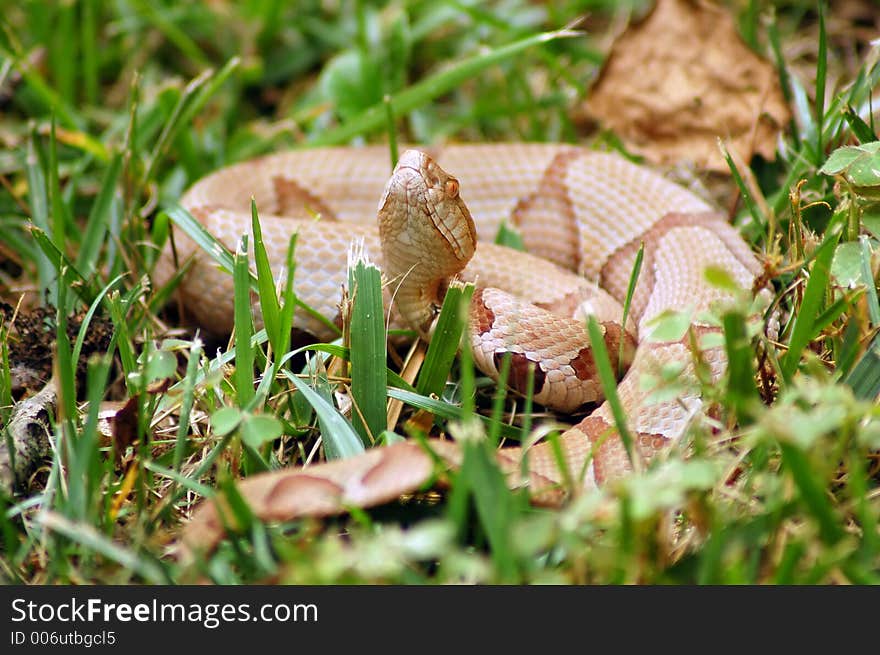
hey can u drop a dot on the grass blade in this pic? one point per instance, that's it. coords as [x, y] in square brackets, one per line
[269, 306]
[444, 342]
[868, 280]
[340, 439]
[39, 206]
[244, 326]
[496, 508]
[80, 284]
[57, 213]
[821, 73]
[609, 388]
[186, 402]
[65, 367]
[90, 314]
[367, 339]
[122, 336]
[742, 394]
[88, 38]
[446, 411]
[84, 469]
[860, 128]
[627, 302]
[803, 330]
[204, 239]
[864, 378]
[289, 300]
[750, 203]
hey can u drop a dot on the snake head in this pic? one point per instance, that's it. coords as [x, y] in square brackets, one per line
[427, 234]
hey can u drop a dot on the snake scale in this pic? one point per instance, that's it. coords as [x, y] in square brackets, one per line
[582, 215]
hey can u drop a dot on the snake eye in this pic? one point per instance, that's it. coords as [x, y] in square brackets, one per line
[452, 187]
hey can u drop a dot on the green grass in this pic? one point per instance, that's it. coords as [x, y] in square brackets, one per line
[110, 110]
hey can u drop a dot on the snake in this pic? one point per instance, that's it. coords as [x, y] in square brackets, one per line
[584, 217]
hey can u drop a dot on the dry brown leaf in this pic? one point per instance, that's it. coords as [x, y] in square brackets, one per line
[681, 78]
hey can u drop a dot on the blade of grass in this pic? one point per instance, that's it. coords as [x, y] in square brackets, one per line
[340, 439]
[186, 402]
[494, 501]
[821, 73]
[834, 311]
[754, 212]
[5, 387]
[510, 237]
[803, 330]
[289, 301]
[392, 132]
[190, 101]
[182, 481]
[39, 206]
[446, 411]
[868, 280]
[741, 393]
[269, 306]
[498, 399]
[65, 367]
[123, 341]
[368, 379]
[864, 378]
[445, 340]
[174, 33]
[84, 471]
[627, 303]
[80, 284]
[90, 314]
[859, 490]
[63, 51]
[58, 219]
[204, 239]
[862, 130]
[609, 387]
[89, 40]
[244, 326]
[526, 427]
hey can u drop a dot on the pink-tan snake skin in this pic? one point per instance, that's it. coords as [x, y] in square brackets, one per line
[582, 215]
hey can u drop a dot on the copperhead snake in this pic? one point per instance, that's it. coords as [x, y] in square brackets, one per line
[582, 216]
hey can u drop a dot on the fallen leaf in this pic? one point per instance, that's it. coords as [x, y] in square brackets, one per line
[681, 78]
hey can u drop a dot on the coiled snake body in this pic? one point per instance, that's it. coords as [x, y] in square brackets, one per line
[582, 215]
